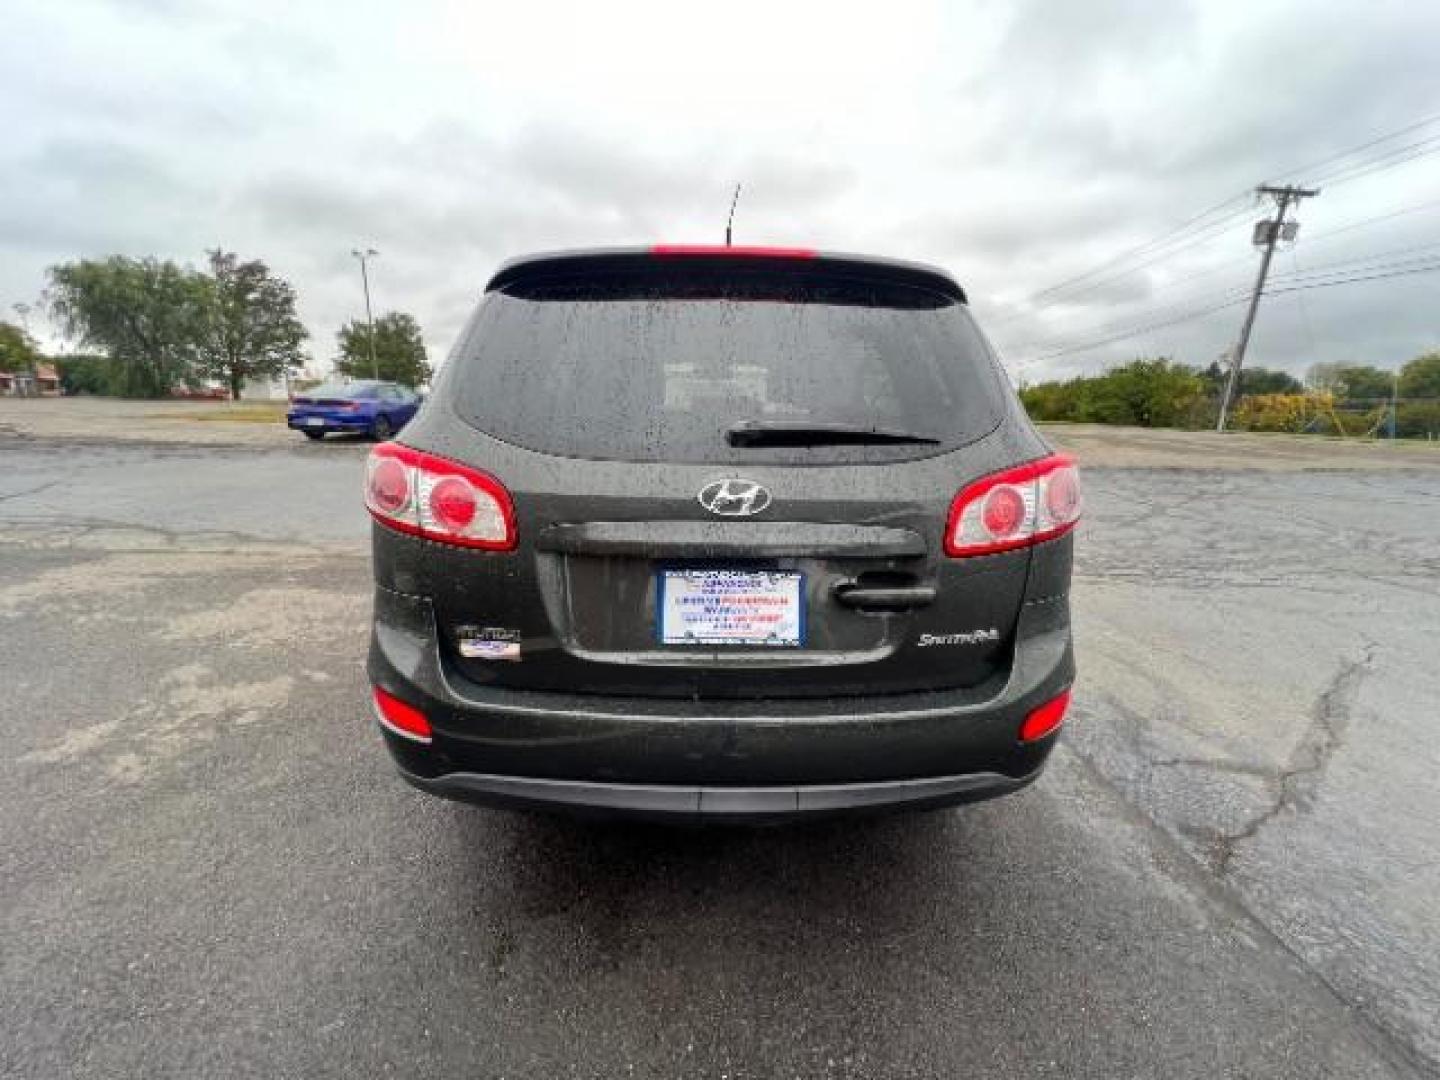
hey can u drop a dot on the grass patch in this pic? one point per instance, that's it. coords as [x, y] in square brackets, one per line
[247, 412]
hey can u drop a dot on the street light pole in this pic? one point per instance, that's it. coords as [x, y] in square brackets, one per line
[368, 253]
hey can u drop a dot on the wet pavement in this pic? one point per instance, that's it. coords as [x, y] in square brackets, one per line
[208, 868]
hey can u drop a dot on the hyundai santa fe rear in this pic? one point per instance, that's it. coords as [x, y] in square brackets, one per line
[721, 533]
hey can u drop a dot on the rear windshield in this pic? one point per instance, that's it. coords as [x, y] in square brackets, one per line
[635, 367]
[342, 391]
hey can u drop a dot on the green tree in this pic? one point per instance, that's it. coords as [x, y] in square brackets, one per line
[1323, 378]
[1146, 393]
[251, 330]
[1253, 380]
[86, 373]
[399, 350]
[1268, 381]
[1420, 378]
[147, 315]
[1055, 401]
[1350, 382]
[1418, 419]
[17, 349]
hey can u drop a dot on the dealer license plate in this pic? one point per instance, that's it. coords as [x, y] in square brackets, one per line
[732, 607]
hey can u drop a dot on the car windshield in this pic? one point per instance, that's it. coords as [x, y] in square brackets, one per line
[641, 369]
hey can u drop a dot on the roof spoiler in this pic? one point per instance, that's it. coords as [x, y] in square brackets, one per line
[531, 269]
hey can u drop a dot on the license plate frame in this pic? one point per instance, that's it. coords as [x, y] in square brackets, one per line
[747, 599]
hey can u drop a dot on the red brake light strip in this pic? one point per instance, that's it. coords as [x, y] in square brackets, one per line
[741, 250]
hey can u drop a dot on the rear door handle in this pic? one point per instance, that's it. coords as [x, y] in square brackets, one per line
[883, 598]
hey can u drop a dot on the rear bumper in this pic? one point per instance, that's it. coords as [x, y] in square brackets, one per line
[302, 423]
[747, 760]
[680, 804]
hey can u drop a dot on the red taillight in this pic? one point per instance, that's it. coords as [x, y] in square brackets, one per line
[1015, 508]
[424, 495]
[400, 717]
[1003, 512]
[454, 503]
[743, 250]
[1045, 719]
[387, 488]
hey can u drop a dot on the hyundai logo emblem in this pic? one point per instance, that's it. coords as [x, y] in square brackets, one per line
[734, 498]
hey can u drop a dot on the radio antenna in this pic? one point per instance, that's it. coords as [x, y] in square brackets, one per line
[730, 221]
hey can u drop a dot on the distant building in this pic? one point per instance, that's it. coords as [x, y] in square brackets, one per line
[263, 390]
[43, 382]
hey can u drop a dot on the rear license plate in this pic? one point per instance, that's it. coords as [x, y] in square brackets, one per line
[315, 421]
[732, 607]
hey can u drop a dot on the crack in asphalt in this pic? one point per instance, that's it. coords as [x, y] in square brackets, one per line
[1242, 768]
[1307, 763]
[29, 491]
[173, 539]
[1396, 1045]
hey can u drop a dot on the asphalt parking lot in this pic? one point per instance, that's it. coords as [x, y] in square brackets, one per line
[207, 867]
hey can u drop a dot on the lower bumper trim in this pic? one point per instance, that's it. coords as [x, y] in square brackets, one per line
[674, 803]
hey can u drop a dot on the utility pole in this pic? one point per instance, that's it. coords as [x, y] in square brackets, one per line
[1269, 233]
[1394, 402]
[368, 253]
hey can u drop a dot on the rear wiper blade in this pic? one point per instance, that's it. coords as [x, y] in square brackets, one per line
[812, 433]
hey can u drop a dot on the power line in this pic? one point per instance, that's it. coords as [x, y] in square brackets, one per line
[1350, 164]
[1430, 267]
[1164, 240]
[1137, 331]
[1426, 269]
[1303, 307]
[1167, 244]
[1377, 140]
[1326, 274]
[1206, 233]
[1230, 264]
[1289, 277]
[1433, 204]
[1389, 160]
[1239, 291]
[1310, 271]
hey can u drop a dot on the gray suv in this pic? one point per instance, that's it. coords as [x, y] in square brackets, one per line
[721, 533]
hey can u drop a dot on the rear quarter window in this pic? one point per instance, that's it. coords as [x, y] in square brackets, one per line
[645, 367]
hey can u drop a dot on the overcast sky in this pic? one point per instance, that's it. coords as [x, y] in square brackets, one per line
[1015, 143]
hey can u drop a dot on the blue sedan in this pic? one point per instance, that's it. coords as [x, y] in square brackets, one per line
[365, 407]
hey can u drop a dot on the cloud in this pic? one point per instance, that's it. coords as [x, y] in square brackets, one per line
[1018, 144]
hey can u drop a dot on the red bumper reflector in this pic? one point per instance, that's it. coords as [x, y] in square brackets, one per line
[1045, 719]
[401, 718]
